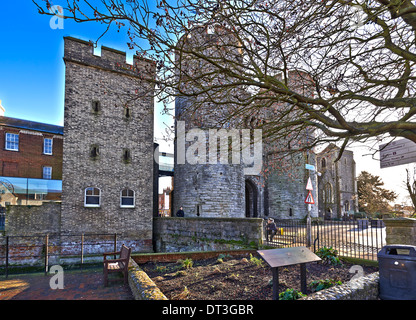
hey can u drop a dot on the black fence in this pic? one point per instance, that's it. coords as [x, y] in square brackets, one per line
[358, 239]
[38, 253]
[2, 220]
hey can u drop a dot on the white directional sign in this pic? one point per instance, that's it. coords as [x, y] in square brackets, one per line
[397, 153]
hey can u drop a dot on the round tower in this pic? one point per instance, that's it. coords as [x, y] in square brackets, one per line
[209, 175]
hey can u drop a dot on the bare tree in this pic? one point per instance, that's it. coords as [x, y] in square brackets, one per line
[411, 186]
[356, 60]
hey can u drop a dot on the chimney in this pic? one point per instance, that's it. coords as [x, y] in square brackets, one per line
[1, 110]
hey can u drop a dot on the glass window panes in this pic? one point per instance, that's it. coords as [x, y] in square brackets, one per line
[12, 141]
[92, 197]
[47, 172]
[127, 198]
[47, 146]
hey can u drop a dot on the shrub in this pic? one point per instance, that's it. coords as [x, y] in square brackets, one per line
[291, 294]
[328, 255]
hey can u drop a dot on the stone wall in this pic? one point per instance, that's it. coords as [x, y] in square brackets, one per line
[287, 193]
[363, 288]
[400, 231]
[203, 234]
[142, 287]
[108, 142]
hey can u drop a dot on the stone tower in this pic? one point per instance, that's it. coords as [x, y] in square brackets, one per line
[108, 144]
[285, 186]
[228, 190]
[204, 186]
[337, 184]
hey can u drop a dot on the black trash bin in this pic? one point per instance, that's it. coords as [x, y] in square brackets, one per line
[397, 270]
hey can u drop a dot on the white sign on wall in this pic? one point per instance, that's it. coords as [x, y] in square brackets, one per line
[397, 152]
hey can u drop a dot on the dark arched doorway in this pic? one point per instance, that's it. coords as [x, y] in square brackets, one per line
[251, 199]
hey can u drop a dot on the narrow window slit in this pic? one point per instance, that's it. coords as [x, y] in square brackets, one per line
[96, 106]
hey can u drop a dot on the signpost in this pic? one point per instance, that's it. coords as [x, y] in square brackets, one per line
[309, 167]
[309, 198]
[309, 201]
[309, 184]
[283, 257]
[397, 152]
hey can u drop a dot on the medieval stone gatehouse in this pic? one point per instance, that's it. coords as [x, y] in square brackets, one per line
[206, 188]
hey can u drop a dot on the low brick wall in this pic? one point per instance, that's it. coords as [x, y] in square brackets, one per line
[141, 286]
[175, 256]
[363, 288]
[33, 220]
[172, 234]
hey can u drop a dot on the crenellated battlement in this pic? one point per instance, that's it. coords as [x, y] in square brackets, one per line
[82, 52]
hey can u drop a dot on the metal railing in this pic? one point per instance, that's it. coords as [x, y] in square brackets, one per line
[357, 239]
[40, 252]
[2, 221]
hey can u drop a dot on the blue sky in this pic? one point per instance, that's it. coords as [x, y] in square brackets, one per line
[31, 65]
[32, 73]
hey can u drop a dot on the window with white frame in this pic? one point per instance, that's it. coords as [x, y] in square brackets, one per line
[47, 146]
[47, 172]
[92, 197]
[127, 198]
[12, 141]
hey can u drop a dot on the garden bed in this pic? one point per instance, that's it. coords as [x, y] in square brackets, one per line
[239, 277]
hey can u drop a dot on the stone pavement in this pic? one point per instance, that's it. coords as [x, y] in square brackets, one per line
[78, 285]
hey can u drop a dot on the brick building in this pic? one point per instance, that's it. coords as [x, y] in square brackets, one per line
[30, 149]
[30, 162]
[165, 203]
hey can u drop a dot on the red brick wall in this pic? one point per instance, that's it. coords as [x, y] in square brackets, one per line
[29, 160]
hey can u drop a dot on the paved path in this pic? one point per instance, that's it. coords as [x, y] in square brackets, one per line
[78, 285]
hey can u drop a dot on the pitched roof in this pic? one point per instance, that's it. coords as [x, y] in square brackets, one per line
[31, 125]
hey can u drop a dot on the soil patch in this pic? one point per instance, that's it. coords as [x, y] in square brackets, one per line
[236, 277]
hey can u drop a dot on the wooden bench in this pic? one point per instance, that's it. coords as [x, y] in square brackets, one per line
[117, 265]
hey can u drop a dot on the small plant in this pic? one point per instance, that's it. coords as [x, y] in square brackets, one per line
[223, 256]
[291, 294]
[233, 276]
[182, 295]
[186, 264]
[328, 255]
[318, 285]
[258, 262]
[180, 273]
[160, 269]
